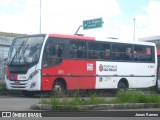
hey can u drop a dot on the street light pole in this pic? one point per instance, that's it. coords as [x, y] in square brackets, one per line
[40, 19]
[134, 29]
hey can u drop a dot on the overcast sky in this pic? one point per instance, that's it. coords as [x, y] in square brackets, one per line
[65, 16]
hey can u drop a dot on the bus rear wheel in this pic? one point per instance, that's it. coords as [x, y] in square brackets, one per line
[122, 86]
[58, 88]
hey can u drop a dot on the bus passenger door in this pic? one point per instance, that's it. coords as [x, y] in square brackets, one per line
[51, 62]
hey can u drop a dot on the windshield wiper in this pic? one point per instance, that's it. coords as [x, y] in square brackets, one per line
[18, 50]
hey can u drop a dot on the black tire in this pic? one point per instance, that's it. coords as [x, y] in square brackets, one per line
[58, 89]
[122, 87]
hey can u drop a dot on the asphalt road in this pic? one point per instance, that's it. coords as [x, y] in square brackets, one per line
[9, 103]
[21, 103]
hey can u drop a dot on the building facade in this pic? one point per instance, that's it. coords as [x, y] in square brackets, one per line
[5, 43]
[154, 39]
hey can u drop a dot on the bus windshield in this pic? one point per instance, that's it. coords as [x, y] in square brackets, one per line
[25, 50]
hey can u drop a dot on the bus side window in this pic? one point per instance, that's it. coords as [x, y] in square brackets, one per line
[115, 54]
[105, 51]
[106, 55]
[143, 53]
[60, 49]
[53, 53]
[79, 54]
[122, 52]
[78, 49]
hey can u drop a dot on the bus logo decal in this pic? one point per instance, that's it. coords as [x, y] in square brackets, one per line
[100, 68]
[110, 68]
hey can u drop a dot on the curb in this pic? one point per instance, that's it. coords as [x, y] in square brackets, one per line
[122, 106]
[99, 107]
[41, 107]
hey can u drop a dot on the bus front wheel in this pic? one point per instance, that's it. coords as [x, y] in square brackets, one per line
[58, 88]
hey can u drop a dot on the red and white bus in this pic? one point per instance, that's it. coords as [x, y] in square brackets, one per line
[55, 62]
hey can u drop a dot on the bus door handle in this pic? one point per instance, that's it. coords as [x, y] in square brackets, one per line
[69, 74]
[44, 74]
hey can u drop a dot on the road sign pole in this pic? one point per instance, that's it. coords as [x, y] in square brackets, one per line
[78, 29]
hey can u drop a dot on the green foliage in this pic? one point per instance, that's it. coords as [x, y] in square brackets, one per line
[137, 97]
[72, 104]
[3, 87]
[54, 103]
[95, 99]
[76, 103]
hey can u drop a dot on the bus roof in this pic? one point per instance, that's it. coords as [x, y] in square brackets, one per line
[92, 38]
[71, 36]
[97, 39]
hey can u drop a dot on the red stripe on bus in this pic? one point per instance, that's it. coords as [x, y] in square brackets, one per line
[8, 73]
[11, 76]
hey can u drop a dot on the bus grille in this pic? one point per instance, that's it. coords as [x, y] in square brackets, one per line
[18, 84]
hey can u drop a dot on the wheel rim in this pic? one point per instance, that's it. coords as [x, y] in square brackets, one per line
[57, 89]
[121, 87]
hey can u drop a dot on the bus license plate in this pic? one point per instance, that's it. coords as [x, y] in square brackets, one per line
[17, 82]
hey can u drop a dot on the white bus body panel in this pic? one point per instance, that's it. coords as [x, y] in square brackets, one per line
[138, 75]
